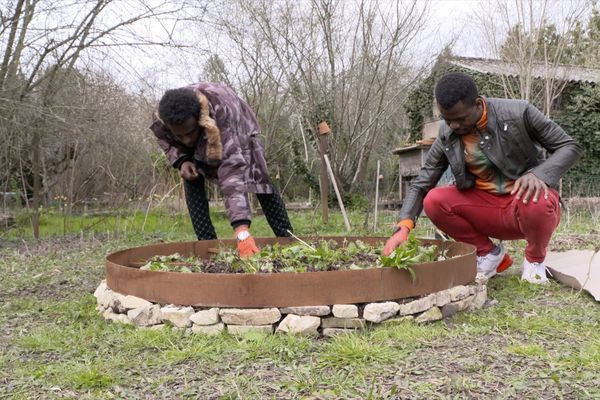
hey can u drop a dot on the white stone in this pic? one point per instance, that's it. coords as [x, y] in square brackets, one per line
[100, 289]
[105, 298]
[433, 314]
[178, 316]
[206, 317]
[243, 329]
[480, 298]
[317, 311]
[418, 306]
[347, 323]
[345, 311]
[145, 316]
[130, 302]
[377, 312]
[250, 316]
[442, 298]
[213, 329]
[459, 292]
[299, 325]
[116, 302]
[481, 279]
[456, 306]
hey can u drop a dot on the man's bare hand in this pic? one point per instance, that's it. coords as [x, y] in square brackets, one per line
[529, 185]
[188, 171]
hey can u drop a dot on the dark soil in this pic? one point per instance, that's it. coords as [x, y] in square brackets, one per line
[216, 266]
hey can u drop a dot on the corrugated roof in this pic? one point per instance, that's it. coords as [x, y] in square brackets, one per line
[499, 67]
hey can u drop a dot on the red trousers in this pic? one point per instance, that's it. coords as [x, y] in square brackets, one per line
[473, 216]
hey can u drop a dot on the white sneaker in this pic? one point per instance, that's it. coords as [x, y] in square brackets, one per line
[534, 272]
[490, 263]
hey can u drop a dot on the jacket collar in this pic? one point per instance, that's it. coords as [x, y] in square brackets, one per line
[492, 117]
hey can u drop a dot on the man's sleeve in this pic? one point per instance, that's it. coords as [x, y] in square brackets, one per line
[563, 150]
[176, 153]
[232, 169]
[429, 175]
[232, 181]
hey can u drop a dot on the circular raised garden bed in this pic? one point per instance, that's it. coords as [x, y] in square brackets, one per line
[285, 289]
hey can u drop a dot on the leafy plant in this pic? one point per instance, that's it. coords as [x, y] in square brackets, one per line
[411, 252]
[300, 257]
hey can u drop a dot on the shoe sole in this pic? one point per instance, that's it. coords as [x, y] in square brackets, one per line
[504, 264]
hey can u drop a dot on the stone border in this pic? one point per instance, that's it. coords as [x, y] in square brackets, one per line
[308, 320]
[286, 289]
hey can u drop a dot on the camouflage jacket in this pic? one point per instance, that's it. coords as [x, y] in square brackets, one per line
[243, 168]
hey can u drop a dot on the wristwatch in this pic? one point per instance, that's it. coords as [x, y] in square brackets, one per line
[243, 235]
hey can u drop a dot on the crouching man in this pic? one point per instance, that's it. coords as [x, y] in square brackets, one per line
[504, 185]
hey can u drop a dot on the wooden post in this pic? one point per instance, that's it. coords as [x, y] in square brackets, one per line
[400, 181]
[560, 194]
[337, 193]
[324, 182]
[376, 197]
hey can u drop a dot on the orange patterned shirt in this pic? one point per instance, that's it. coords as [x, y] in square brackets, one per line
[487, 176]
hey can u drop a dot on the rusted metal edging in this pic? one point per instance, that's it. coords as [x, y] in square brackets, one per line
[284, 289]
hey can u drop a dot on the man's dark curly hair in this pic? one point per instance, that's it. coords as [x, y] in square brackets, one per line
[454, 87]
[178, 105]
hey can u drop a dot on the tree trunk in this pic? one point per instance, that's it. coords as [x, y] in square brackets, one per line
[37, 184]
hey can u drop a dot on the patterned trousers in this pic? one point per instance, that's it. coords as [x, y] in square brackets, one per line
[197, 203]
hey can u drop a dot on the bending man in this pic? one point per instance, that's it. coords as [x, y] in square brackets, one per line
[208, 132]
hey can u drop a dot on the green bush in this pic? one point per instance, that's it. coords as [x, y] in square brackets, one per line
[355, 201]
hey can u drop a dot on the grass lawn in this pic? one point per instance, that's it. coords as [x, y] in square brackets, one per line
[535, 342]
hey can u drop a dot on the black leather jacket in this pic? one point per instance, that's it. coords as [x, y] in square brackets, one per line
[516, 135]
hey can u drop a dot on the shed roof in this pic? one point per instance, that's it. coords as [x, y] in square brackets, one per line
[572, 73]
[411, 147]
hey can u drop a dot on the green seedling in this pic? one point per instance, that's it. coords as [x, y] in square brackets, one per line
[410, 253]
[301, 257]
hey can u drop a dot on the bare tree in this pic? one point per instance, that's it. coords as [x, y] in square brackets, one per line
[344, 62]
[522, 34]
[45, 42]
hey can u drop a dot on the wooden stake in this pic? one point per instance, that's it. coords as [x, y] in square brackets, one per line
[376, 197]
[301, 241]
[337, 192]
[400, 181]
[323, 181]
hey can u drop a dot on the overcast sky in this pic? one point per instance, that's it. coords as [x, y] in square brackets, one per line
[454, 18]
[449, 20]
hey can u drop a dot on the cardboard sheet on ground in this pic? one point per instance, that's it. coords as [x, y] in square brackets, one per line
[573, 268]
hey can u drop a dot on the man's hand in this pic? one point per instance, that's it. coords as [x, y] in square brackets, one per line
[529, 185]
[397, 239]
[188, 171]
[246, 246]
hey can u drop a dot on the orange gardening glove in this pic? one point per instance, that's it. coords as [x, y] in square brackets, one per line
[399, 237]
[396, 240]
[245, 245]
